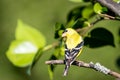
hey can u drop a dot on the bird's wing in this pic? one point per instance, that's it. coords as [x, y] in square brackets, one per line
[70, 55]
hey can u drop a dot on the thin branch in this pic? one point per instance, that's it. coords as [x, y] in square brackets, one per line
[106, 16]
[91, 65]
[48, 47]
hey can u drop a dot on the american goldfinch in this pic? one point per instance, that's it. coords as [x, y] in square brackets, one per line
[73, 47]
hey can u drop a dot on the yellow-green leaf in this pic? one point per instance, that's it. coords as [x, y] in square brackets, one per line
[26, 32]
[87, 12]
[97, 8]
[21, 53]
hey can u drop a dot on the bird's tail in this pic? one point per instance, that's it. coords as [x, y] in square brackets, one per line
[66, 70]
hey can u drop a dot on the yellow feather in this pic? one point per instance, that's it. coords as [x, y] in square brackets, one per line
[73, 38]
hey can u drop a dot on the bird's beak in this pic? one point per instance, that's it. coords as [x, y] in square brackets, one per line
[64, 35]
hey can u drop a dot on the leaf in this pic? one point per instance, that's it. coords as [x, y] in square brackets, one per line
[21, 53]
[104, 10]
[75, 14]
[87, 12]
[97, 8]
[80, 23]
[59, 28]
[99, 37]
[71, 23]
[26, 32]
[28, 41]
[51, 68]
[78, 16]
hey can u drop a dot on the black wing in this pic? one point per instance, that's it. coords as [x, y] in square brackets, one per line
[70, 55]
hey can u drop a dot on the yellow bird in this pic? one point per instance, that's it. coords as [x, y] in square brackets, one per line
[73, 47]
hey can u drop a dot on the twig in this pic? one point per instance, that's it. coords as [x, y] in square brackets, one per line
[91, 65]
[107, 16]
[48, 47]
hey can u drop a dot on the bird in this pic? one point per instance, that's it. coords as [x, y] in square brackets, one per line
[73, 44]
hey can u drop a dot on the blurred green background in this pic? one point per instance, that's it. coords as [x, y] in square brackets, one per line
[42, 15]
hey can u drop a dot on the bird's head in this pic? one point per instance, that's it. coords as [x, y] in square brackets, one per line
[68, 32]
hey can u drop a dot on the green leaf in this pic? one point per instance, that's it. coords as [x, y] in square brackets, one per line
[97, 8]
[71, 23]
[75, 14]
[80, 23]
[87, 12]
[26, 32]
[99, 37]
[76, 0]
[21, 53]
[51, 68]
[104, 9]
[59, 28]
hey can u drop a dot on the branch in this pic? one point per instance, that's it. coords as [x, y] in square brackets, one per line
[48, 47]
[91, 65]
[113, 6]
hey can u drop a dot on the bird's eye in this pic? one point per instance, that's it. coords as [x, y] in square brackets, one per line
[65, 31]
